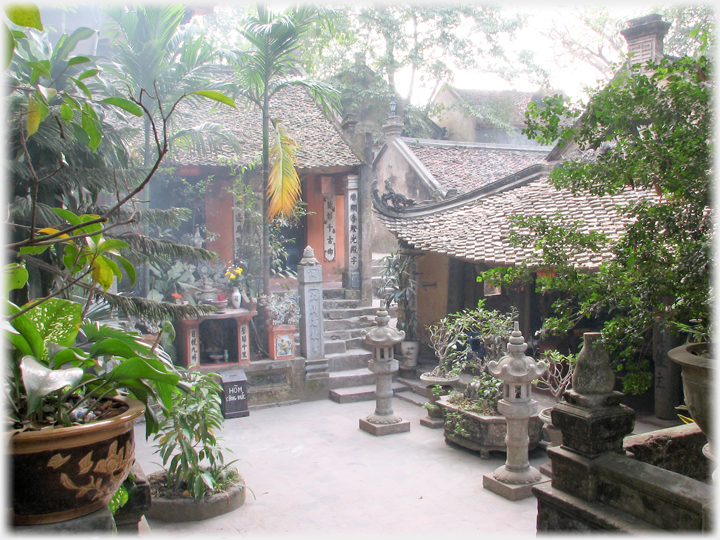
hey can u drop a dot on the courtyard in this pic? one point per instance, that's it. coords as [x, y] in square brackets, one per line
[314, 472]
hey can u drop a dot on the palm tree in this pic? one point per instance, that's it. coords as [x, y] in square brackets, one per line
[266, 67]
[159, 62]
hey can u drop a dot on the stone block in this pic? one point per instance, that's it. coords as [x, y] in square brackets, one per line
[592, 431]
[384, 429]
[572, 473]
[666, 499]
[560, 511]
[677, 449]
[432, 423]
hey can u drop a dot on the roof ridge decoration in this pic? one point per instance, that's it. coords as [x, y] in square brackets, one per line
[520, 178]
[436, 143]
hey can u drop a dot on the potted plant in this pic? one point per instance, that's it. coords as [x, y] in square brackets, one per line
[74, 391]
[445, 339]
[195, 483]
[283, 313]
[471, 417]
[556, 379]
[75, 387]
[695, 359]
[398, 286]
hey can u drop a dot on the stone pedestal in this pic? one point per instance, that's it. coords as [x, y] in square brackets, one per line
[312, 332]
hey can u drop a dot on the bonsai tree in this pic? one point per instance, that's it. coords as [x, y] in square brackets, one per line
[450, 339]
[557, 377]
[398, 286]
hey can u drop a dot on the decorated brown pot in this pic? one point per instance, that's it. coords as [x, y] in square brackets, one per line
[67, 472]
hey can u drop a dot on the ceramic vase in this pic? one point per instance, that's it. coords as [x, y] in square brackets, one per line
[235, 298]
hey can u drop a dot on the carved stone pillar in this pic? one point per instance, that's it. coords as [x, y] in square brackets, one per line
[312, 333]
[351, 276]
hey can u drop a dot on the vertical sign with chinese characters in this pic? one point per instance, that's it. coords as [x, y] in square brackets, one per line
[194, 348]
[329, 226]
[352, 236]
[244, 342]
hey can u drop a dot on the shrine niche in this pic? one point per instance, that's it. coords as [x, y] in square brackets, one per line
[218, 338]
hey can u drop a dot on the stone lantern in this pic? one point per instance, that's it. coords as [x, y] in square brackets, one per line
[382, 340]
[517, 371]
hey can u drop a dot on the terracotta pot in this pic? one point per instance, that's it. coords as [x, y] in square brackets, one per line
[188, 509]
[67, 472]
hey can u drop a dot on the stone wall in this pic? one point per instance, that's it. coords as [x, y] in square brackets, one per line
[677, 449]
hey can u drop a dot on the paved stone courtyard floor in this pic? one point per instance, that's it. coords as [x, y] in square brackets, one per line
[314, 473]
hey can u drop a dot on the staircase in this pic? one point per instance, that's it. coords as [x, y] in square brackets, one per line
[344, 321]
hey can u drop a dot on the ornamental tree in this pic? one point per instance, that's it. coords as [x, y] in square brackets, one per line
[649, 129]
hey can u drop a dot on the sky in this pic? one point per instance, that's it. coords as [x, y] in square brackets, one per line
[572, 80]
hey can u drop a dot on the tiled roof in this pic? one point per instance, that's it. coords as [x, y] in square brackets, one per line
[320, 143]
[468, 166]
[478, 231]
[512, 102]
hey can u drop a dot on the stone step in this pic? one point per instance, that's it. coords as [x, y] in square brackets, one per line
[351, 377]
[416, 386]
[337, 294]
[353, 335]
[340, 304]
[353, 359]
[362, 393]
[349, 313]
[411, 397]
[348, 324]
[337, 346]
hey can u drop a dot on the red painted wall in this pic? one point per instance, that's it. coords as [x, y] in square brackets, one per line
[332, 271]
[219, 218]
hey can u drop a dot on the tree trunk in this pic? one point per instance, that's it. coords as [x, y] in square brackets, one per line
[266, 175]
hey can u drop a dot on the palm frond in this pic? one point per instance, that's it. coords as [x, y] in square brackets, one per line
[135, 306]
[204, 139]
[155, 249]
[284, 189]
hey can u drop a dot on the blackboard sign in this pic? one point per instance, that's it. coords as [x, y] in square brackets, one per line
[234, 396]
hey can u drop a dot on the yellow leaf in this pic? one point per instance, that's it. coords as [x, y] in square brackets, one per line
[32, 122]
[50, 230]
[284, 187]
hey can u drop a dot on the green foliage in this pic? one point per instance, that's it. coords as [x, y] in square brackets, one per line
[187, 442]
[650, 129]
[450, 338]
[57, 378]
[557, 377]
[398, 286]
[267, 65]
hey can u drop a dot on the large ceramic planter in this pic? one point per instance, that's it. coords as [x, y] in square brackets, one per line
[485, 433]
[409, 350]
[697, 383]
[188, 509]
[556, 437]
[64, 473]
